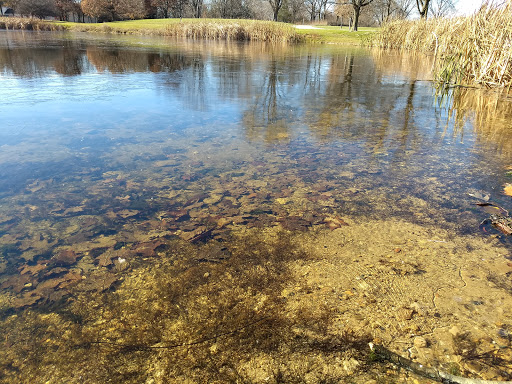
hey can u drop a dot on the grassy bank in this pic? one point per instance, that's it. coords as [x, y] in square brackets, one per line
[255, 30]
[248, 30]
[336, 35]
[474, 50]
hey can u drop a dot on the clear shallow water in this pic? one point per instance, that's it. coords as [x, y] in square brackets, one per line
[111, 147]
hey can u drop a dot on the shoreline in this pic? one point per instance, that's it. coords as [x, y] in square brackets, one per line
[208, 29]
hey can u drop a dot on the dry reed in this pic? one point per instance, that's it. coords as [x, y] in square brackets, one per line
[217, 29]
[29, 24]
[234, 30]
[468, 50]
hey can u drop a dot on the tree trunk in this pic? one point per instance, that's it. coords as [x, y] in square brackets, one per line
[357, 10]
[423, 7]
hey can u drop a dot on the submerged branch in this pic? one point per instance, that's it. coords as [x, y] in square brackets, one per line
[421, 370]
[145, 347]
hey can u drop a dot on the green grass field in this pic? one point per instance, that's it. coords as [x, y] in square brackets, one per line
[336, 35]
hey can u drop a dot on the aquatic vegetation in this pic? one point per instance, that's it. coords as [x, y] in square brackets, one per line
[473, 50]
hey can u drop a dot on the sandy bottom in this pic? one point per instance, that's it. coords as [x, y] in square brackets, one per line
[282, 307]
[437, 298]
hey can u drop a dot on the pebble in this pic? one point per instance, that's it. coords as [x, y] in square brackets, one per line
[473, 366]
[454, 331]
[350, 365]
[420, 342]
[417, 308]
[404, 314]
[222, 222]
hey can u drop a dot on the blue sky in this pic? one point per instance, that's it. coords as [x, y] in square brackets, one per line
[465, 7]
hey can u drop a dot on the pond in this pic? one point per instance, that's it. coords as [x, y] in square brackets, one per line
[179, 211]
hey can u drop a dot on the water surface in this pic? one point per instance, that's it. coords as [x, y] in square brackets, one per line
[113, 150]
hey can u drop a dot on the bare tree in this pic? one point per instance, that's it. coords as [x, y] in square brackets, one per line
[442, 8]
[423, 7]
[197, 7]
[312, 7]
[323, 8]
[357, 5]
[404, 8]
[296, 9]
[276, 6]
[343, 12]
[64, 8]
[385, 10]
[230, 9]
[37, 8]
[101, 9]
[178, 8]
[130, 9]
[164, 7]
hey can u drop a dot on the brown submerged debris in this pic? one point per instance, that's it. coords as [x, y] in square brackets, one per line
[106, 258]
[64, 257]
[18, 282]
[150, 249]
[199, 234]
[97, 282]
[32, 269]
[127, 213]
[26, 300]
[294, 223]
[499, 218]
[334, 222]
[213, 253]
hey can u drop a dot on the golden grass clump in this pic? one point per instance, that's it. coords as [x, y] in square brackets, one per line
[234, 30]
[28, 24]
[469, 50]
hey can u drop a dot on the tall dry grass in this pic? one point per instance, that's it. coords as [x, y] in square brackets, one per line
[468, 50]
[29, 24]
[218, 29]
[245, 30]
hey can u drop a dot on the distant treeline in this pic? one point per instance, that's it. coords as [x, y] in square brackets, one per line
[334, 12]
[115, 10]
